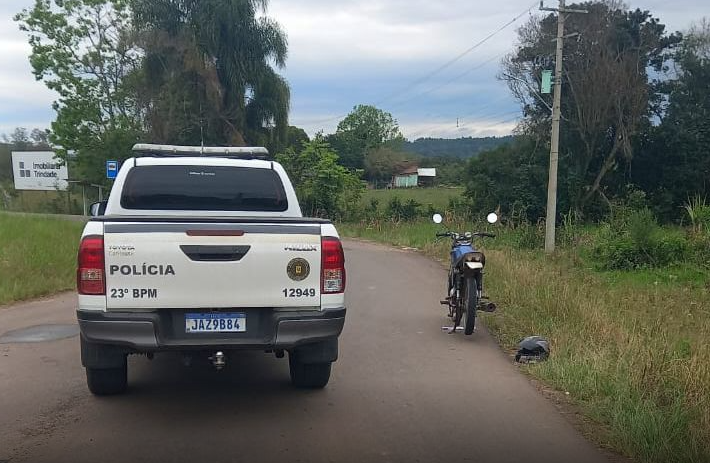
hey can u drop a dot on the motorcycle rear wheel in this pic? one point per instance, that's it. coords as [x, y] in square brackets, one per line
[469, 301]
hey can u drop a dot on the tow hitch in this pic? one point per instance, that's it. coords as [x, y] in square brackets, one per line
[219, 360]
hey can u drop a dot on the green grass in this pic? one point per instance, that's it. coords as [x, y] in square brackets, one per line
[685, 275]
[438, 197]
[631, 351]
[47, 202]
[37, 256]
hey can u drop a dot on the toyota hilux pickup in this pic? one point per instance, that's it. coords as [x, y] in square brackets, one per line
[203, 251]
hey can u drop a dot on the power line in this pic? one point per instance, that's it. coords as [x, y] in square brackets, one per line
[507, 113]
[459, 56]
[443, 66]
[444, 84]
[504, 121]
[480, 112]
[417, 134]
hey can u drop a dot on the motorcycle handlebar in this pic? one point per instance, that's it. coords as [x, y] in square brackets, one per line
[451, 234]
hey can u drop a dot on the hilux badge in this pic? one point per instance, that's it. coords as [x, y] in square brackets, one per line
[301, 247]
[298, 269]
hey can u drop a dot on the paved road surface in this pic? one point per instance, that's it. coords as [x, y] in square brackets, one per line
[402, 391]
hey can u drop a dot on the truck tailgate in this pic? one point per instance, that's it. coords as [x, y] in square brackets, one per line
[155, 265]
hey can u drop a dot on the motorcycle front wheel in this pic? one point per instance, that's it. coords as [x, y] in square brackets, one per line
[469, 301]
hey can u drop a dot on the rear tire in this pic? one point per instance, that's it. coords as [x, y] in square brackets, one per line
[470, 302]
[107, 381]
[309, 375]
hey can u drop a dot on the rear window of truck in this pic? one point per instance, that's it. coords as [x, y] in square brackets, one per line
[203, 188]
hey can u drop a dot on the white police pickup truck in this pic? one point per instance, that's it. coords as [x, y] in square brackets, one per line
[204, 251]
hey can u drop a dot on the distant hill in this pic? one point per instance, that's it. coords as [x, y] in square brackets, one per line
[454, 147]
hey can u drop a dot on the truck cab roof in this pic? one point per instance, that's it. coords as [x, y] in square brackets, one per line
[167, 180]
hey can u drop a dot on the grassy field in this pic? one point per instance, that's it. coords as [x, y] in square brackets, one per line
[630, 347]
[437, 197]
[37, 256]
[45, 202]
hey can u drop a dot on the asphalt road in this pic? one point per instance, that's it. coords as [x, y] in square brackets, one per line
[402, 391]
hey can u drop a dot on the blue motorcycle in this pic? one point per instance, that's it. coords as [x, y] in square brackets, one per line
[465, 281]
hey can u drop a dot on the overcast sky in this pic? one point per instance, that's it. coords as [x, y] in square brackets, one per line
[348, 52]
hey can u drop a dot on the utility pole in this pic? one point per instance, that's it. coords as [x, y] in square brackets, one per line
[550, 220]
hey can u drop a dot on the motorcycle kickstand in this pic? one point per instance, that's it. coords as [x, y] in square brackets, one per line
[452, 329]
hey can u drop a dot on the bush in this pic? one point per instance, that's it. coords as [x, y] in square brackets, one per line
[372, 211]
[698, 212]
[460, 207]
[641, 227]
[409, 211]
[528, 237]
[638, 242]
[569, 233]
[700, 250]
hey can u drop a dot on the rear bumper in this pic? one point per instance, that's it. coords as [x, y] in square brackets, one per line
[165, 330]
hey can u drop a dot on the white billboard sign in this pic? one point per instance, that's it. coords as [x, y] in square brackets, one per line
[38, 170]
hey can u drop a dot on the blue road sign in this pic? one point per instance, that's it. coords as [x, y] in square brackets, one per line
[111, 169]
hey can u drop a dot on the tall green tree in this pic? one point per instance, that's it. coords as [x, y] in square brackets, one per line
[674, 160]
[295, 138]
[607, 92]
[21, 139]
[84, 51]
[209, 72]
[382, 162]
[324, 187]
[366, 128]
[450, 170]
[511, 178]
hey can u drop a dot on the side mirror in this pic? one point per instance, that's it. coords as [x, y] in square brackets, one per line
[97, 209]
[437, 218]
[492, 217]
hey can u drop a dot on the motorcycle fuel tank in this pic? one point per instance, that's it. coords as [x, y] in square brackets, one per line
[458, 251]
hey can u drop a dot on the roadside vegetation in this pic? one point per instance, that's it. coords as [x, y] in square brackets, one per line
[629, 334]
[45, 202]
[425, 198]
[37, 256]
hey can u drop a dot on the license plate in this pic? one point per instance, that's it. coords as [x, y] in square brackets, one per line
[215, 322]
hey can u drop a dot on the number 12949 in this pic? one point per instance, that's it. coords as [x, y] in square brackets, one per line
[298, 292]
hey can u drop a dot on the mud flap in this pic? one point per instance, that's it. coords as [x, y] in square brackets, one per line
[102, 355]
[319, 352]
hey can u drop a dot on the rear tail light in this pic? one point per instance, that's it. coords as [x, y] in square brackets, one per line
[332, 279]
[90, 273]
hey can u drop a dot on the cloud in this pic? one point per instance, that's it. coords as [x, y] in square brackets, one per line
[347, 52]
[24, 102]
[477, 128]
[328, 34]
